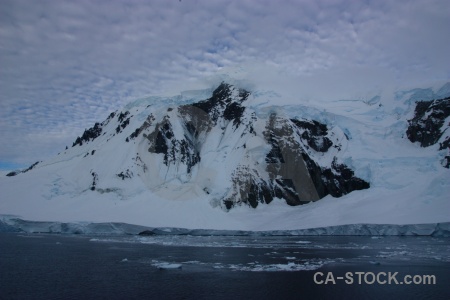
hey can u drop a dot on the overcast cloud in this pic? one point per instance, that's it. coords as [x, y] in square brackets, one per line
[64, 65]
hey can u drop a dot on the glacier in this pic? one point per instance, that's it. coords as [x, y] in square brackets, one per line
[145, 165]
[13, 224]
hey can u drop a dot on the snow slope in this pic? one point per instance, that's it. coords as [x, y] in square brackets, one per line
[408, 184]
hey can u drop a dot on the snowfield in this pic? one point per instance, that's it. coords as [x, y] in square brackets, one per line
[408, 184]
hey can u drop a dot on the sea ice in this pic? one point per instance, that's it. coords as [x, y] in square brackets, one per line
[166, 265]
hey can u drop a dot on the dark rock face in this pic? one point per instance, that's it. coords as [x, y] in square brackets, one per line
[293, 173]
[290, 179]
[429, 117]
[148, 122]
[175, 151]
[234, 112]
[199, 117]
[221, 104]
[94, 180]
[446, 145]
[30, 167]
[428, 125]
[336, 181]
[88, 135]
[252, 189]
[95, 131]
[14, 173]
[122, 121]
[314, 133]
[121, 117]
[126, 174]
[111, 115]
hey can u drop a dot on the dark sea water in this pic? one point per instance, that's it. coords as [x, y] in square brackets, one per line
[34, 266]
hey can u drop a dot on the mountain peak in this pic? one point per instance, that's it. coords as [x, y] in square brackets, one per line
[225, 101]
[165, 162]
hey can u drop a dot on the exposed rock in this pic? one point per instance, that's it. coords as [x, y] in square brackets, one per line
[340, 180]
[428, 126]
[122, 115]
[94, 180]
[290, 172]
[30, 167]
[442, 146]
[175, 151]
[315, 133]
[248, 188]
[89, 135]
[148, 122]
[336, 181]
[13, 173]
[223, 104]
[17, 172]
[126, 174]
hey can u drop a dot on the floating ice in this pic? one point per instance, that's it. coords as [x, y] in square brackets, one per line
[166, 265]
[290, 266]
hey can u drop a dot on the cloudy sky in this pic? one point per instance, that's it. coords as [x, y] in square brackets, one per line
[66, 64]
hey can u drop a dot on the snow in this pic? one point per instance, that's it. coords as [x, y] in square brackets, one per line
[408, 184]
[149, 235]
[3, 173]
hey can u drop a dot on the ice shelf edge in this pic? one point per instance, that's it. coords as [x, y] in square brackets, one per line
[15, 224]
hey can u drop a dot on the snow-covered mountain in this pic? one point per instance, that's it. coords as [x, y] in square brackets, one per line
[228, 158]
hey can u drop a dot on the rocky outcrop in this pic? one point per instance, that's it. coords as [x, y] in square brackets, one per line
[338, 180]
[263, 156]
[226, 103]
[315, 134]
[445, 145]
[289, 172]
[287, 169]
[431, 125]
[88, 135]
[14, 173]
[148, 122]
[176, 151]
[427, 125]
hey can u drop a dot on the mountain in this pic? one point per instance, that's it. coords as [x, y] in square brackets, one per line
[226, 158]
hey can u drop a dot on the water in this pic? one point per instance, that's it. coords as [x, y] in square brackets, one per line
[36, 266]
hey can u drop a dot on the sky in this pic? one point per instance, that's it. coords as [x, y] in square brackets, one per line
[65, 65]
